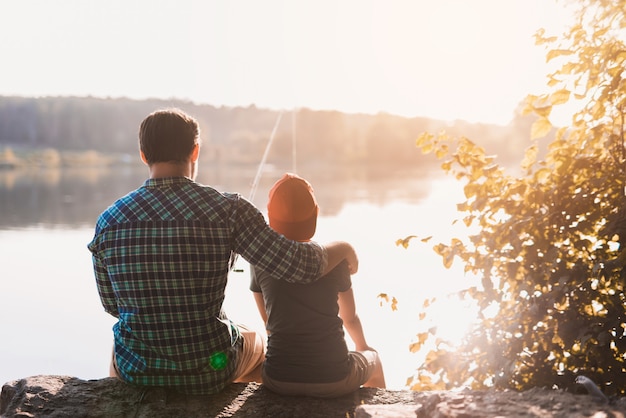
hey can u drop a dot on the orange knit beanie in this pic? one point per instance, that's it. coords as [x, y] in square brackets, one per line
[292, 209]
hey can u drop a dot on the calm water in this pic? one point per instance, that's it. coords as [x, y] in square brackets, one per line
[52, 320]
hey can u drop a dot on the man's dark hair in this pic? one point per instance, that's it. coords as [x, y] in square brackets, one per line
[168, 136]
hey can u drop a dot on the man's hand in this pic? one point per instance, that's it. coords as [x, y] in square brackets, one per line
[353, 261]
[337, 252]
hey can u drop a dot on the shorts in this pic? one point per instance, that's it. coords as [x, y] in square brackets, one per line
[251, 355]
[362, 365]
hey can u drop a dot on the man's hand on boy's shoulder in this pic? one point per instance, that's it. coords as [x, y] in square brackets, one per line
[339, 251]
[353, 261]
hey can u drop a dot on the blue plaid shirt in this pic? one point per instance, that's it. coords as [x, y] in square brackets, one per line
[161, 260]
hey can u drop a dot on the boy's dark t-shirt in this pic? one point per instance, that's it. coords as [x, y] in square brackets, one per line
[306, 341]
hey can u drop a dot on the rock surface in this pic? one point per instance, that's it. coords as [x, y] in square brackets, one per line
[65, 396]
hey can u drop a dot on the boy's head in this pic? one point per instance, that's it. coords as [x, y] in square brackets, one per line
[292, 209]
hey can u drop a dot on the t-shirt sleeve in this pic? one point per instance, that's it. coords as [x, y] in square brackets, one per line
[254, 283]
[344, 280]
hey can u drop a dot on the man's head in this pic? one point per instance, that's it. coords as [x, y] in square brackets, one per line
[168, 136]
[292, 209]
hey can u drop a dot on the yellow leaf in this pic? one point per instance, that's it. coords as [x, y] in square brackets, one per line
[427, 148]
[530, 157]
[542, 175]
[543, 111]
[518, 188]
[415, 347]
[405, 241]
[470, 190]
[383, 297]
[600, 32]
[616, 71]
[540, 128]
[460, 207]
[560, 133]
[423, 139]
[569, 68]
[440, 249]
[560, 97]
[528, 104]
[541, 39]
[553, 81]
[455, 242]
[557, 53]
[598, 110]
[448, 258]
[442, 151]
[489, 170]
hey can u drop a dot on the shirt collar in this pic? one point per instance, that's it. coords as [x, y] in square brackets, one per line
[167, 181]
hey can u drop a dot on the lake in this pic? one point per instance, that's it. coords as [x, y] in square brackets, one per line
[52, 319]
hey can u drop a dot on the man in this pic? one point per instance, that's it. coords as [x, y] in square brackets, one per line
[161, 260]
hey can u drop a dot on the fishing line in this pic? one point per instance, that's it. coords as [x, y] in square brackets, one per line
[259, 172]
[255, 183]
[293, 140]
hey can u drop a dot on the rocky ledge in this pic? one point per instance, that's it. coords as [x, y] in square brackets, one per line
[65, 396]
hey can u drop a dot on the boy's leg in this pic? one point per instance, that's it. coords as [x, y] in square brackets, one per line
[251, 357]
[376, 378]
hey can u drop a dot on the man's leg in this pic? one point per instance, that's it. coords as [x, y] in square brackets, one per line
[251, 356]
[113, 366]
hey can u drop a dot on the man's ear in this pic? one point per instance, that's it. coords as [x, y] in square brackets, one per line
[195, 153]
[143, 158]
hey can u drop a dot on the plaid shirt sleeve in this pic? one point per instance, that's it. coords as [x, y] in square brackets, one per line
[260, 245]
[103, 283]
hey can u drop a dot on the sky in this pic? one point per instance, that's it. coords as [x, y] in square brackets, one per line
[473, 60]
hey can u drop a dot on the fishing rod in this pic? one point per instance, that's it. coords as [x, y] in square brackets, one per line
[257, 178]
[293, 140]
[259, 172]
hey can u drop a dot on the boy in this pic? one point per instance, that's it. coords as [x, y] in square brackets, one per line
[307, 352]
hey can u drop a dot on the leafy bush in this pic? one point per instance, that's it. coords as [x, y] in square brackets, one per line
[549, 244]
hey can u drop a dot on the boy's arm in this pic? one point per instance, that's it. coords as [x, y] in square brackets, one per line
[351, 321]
[260, 304]
[258, 294]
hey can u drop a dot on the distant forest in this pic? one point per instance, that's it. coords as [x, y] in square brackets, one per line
[241, 134]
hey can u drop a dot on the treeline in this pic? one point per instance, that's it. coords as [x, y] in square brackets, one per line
[241, 134]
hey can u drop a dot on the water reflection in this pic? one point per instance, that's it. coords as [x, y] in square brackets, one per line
[74, 197]
[367, 207]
